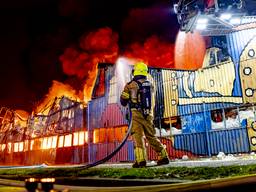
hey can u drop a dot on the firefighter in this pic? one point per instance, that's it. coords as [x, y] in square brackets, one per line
[138, 93]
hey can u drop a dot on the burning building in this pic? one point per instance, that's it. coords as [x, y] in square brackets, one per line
[198, 111]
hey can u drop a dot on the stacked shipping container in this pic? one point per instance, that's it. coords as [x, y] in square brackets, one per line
[72, 133]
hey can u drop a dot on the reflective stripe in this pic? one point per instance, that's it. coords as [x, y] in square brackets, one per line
[125, 95]
[140, 154]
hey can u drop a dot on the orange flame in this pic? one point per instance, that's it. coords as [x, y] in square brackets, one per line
[89, 83]
[95, 47]
[58, 90]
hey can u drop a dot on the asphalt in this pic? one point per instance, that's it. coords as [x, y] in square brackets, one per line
[245, 159]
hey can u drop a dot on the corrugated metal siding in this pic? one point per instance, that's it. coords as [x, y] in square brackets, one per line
[236, 43]
[106, 111]
[229, 141]
[186, 94]
[207, 89]
[197, 122]
[126, 154]
[170, 89]
[159, 94]
[247, 71]
[101, 150]
[112, 116]
[96, 109]
[171, 150]
[194, 143]
[80, 121]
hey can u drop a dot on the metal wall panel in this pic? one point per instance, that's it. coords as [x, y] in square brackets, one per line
[229, 141]
[130, 146]
[170, 85]
[207, 89]
[173, 152]
[112, 116]
[159, 94]
[236, 43]
[101, 150]
[196, 123]
[106, 111]
[79, 117]
[194, 143]
[247, 71]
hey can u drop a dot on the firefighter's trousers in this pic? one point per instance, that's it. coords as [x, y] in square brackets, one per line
[144, 126]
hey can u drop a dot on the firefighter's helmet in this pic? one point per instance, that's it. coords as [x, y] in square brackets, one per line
[140, 68]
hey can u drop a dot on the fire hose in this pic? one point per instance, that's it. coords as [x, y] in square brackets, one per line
[31, 184]
[85, 166]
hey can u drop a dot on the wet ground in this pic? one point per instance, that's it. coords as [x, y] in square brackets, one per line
[237, 184]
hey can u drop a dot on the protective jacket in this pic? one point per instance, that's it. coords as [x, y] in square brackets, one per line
[139, 93]
[142, 124]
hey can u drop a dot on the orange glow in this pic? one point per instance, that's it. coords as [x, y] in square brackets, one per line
[49, 143]
[86, 136]
[22, 114]
[111, 134]
[154, 51]
[31, 180]
[44, 143]
[189, 50]
[82, 138]
[97, 46]
[58, 89]
[54, 142]
[2, 147]
[89, 84]
[9, 147]
[26, 145]
[79, 138]
[31, 144]
[47, 180]
[95, 136]
[68, 140]
[21, 146]
[16, 147]
[61, 141]
[75, 139]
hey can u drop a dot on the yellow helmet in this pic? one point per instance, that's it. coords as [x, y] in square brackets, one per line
[140, 68]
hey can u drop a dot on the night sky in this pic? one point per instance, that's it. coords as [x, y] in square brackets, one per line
[35, 33]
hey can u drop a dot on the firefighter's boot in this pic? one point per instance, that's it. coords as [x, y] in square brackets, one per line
[140, 158]
[163, 158]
